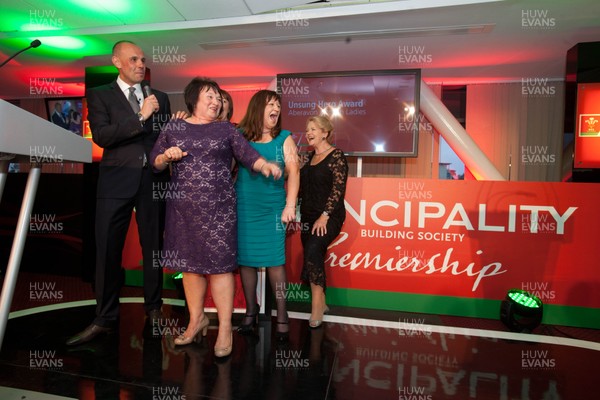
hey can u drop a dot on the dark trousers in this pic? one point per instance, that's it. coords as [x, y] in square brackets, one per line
[112, 222]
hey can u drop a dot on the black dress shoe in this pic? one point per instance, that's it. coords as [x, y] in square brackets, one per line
[88, 334]
[155, 316]
[248, 329]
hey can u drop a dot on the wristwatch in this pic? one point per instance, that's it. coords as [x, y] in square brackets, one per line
[140, 117]
[325, 213]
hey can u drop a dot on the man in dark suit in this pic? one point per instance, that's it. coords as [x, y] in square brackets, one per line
[57, 116]
[127, 132]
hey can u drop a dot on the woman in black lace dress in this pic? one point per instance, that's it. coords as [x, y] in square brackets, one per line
[322, 189]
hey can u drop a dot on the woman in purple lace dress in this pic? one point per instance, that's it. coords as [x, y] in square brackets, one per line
[201, 224]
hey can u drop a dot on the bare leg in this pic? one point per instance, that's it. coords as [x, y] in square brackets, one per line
[249, 277]
[222, 288]
[318, 302]
[194, 286]
[313, 271]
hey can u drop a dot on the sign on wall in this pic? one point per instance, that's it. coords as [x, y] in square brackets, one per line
[587, 134]
[463, 240]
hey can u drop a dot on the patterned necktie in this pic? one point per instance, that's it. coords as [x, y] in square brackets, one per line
[136, 109]
[133, 100]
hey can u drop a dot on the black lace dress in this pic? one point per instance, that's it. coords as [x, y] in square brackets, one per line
[322, 188]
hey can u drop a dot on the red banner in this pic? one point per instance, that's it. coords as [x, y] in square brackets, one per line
[467, 239]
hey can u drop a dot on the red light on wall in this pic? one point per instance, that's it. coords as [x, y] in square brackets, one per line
[97, 151]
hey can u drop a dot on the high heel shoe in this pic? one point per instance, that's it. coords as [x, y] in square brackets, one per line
[182, 340]
[247, 329]
[282, 337]
[316, 323]
[225, 351]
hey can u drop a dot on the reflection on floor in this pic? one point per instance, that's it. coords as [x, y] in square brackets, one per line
[357, 354]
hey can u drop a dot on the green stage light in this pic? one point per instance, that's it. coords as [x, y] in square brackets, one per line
[116, 7]
[70, 48]
[521, 311]
[64, 42]
[178, 275]
[524, 298]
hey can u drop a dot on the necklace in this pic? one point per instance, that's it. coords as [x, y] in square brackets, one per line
[321, 152]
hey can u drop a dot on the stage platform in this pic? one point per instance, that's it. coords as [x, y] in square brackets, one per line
[357, 354]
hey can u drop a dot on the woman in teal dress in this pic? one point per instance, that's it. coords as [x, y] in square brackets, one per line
[265, 206]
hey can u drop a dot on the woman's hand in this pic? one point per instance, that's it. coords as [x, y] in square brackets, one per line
[288, 214]
[180, 115]
[270, 169]
[320, 226]
[174, 154]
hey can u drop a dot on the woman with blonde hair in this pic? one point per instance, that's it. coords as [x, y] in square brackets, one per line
[322, 189]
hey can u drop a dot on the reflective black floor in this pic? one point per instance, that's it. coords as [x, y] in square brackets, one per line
[357, 354]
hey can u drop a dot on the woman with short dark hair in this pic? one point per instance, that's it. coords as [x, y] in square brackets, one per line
[201, 221]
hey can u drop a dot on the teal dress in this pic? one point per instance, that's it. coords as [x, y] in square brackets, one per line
[260, 202]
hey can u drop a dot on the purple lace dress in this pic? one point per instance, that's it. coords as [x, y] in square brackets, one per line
[201, 220]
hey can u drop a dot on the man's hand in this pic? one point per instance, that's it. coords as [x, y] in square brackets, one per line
[149, 107]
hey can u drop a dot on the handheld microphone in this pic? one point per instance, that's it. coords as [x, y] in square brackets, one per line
[33, 44]
[146, 89]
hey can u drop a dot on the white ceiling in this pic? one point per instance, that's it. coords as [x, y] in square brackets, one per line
[246, 43]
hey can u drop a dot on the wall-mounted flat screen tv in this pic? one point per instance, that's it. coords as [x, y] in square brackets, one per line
[374, 113]
[66, 112]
